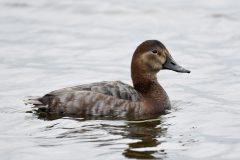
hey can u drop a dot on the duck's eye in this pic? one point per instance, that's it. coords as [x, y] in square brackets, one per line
[154, 51]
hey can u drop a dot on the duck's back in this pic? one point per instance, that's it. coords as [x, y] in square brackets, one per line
[101, 98]
[116, 89]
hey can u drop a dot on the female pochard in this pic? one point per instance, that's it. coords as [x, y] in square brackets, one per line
[114, 98]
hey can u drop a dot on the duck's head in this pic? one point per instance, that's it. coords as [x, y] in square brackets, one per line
[151, 56]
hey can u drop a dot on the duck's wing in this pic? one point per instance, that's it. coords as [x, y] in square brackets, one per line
[102, 98]
[116, 89]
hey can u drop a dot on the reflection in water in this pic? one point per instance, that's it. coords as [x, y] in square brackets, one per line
[144, 134]
[147, 134]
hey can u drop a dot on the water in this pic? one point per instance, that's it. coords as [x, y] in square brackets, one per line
[50, 44]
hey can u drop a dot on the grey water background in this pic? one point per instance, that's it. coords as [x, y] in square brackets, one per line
[50, 44]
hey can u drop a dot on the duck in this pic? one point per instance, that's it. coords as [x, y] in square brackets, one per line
[115, 98]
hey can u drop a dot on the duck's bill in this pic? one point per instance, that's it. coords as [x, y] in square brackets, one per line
[172, 65]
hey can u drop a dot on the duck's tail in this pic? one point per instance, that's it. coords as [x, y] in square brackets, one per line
[35, 102]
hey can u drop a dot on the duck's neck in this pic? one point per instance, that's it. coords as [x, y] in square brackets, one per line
[147, 85]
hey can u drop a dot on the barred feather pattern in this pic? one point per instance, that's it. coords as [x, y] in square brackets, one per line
[103, 98]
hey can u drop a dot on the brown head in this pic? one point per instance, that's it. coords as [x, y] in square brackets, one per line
[149, 58]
